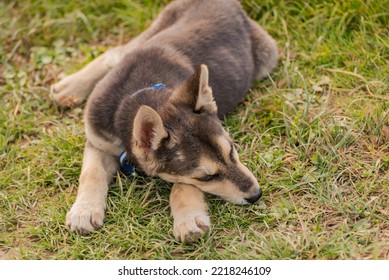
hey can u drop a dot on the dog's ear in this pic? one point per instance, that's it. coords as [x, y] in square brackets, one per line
[197, 93]
[148, 130]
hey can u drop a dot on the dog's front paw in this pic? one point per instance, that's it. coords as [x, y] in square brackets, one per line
[71, 91]
[191, 227]
[85, 217]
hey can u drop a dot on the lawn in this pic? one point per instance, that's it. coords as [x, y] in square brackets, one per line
[315, 133]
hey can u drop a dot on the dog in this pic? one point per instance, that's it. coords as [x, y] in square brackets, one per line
[158, 100]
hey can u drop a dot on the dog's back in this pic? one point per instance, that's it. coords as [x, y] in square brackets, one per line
[216, 33]
[187, 33]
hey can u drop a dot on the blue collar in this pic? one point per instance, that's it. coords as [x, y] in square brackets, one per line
[123, 158]
[156, 86]
[127, 168]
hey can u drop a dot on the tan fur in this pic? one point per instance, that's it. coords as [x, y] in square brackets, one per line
[87, 213]
[206, 167]
[180, 156]
[225, 144]
[111, 147]
[190, 215]
[224, 189]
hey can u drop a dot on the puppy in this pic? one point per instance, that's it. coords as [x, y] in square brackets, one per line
[157, 102]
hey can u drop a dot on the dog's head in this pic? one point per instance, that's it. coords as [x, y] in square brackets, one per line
[185, 142]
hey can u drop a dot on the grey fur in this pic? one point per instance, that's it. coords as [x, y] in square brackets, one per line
[174, 132]
[217, 33]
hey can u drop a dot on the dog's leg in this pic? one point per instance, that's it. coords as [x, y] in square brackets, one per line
[189, 212]
[74, 89]
[264, 51]
[87, 213]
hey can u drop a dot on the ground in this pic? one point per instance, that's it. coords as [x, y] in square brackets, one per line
[315, 133]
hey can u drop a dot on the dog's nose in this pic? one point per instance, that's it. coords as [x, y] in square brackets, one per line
[254, 198]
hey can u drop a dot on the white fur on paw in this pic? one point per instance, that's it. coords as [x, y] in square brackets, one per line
[191, 226]
[70, 91]
[85, 217]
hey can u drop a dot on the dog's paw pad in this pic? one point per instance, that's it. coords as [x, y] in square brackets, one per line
[191, 227]
[85, 218]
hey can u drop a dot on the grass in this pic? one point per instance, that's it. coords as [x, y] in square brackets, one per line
[316, 135]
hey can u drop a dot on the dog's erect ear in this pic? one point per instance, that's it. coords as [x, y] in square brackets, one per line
[205, 98]
[197, 92]
[148, 130]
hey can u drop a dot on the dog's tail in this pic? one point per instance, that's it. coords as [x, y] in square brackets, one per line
[264, 49]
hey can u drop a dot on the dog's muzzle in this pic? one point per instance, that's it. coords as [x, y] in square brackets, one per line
[254, 198]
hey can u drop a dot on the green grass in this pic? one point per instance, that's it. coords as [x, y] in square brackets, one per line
[316, 135]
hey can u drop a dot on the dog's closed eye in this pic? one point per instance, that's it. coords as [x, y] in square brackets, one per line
[208, 178]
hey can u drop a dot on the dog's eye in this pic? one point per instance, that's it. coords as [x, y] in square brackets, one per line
[208, 178]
